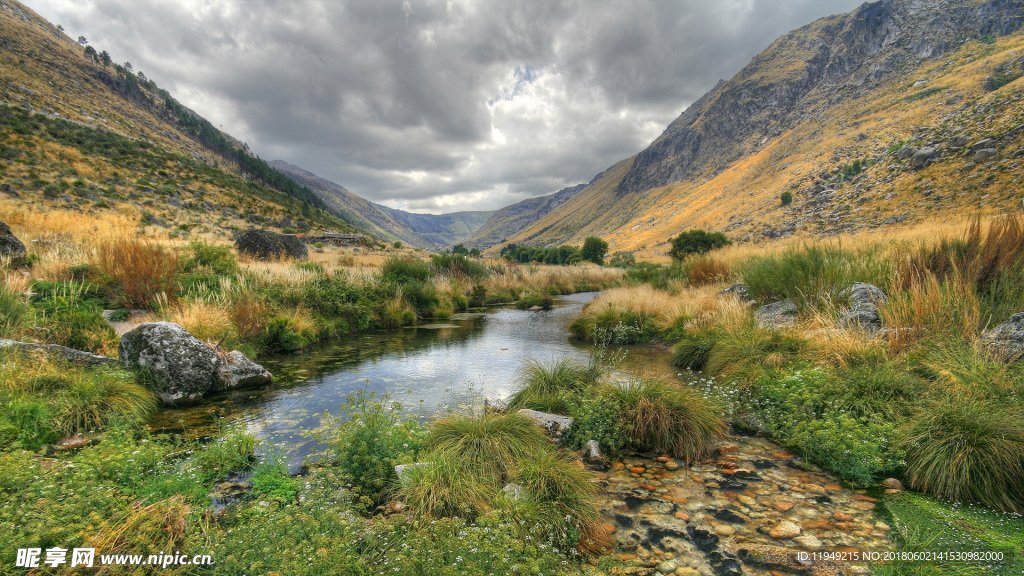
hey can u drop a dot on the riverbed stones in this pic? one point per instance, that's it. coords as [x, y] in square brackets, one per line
[785, 529]
[777, 314]
[1006, 341]
[266, 245]
[702, 503]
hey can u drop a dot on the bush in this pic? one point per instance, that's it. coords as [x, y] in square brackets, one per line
[661, 417]
[613, 325]
[459, 266]
[371, 438]
[404, 269]
[622, 260]
[786, 198]
[597, 415]
[232, 452]
[968, 450]
[703, 270]
[696, 242]
[217, 260]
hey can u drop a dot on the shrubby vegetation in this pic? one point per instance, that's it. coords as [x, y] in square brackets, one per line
[593, 250]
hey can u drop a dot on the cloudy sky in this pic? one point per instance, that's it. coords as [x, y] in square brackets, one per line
[439, 105]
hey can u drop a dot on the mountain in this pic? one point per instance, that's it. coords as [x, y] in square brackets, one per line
[509, 220]
[83, 133]
[832, 113]
[430, 231]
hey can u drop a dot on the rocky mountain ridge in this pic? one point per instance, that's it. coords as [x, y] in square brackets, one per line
[842, 91]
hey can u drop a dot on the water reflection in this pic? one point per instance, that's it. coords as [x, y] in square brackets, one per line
[435, 363]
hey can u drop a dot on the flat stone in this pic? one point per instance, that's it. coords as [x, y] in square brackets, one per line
[782, 505]
[864, 506]
[724, 530]
[785, 529]
[809, 542]
[843, 517]
[672, 465]
[638, 469]
[892, 484]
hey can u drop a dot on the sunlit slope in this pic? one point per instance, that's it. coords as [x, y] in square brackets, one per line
[840, 90]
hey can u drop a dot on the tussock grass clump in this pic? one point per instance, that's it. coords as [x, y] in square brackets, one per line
[968, 450]
[487, 445]
[141, 273]
[693, 350]
[551, 387]
[443, 487]
[743, 349]
[705, 270]
[13, 312]
[930, 309]
[665, 418]
[404, 269]
[46, 400]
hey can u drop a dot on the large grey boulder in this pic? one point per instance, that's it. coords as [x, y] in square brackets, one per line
[557, 426]
[10, 246]
[985, 154]
[179, 367]
[777, 314]
[1006, 340]
[922, 157]
[266, 245]
[864, 300]
[236, 372]
[906, 152]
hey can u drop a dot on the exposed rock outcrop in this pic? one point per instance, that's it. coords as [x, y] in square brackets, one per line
[61, 353]
[555, 425]
[1007, 340]
[10, 246]
[266, 245]
[864, 300]
[777, 314]
[180, 369]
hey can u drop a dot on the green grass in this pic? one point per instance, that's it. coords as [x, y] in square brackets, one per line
[44, 401]
[486, 445]
[694, 349]
[812, 275]
[923, 523]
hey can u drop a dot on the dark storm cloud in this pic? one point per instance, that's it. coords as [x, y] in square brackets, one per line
[439, 105]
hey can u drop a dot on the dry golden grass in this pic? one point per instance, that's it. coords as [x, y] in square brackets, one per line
[930, 307]
[207, 321]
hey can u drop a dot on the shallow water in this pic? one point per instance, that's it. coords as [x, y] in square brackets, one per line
[454, 362]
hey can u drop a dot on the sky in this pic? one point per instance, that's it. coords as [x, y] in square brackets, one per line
[439, 105]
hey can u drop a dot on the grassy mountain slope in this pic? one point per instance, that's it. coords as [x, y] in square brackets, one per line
[510, 220]
[81, 134]
[822, 114]
[431, 231]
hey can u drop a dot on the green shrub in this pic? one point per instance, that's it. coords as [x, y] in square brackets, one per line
[622, 260]
[459, 265]
[272, 480]
[750, 349]
[594, 249]
[693, 350]
[373, 438]
[217, 260]
[661, 417]
[968, 450]
[597, 415]
[696, 242]
[786, 198]
[404, 269]
[614, 325]
[280, 337]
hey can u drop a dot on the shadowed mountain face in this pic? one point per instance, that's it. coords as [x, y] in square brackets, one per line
[509, 220]
[430, 231]
[842, 89]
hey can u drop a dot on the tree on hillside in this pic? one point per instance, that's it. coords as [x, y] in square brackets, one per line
[82, 40]
[105, 58]
[90, 53]
[594, 249]
[460, 249]
[127, 65]
[696, 242]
